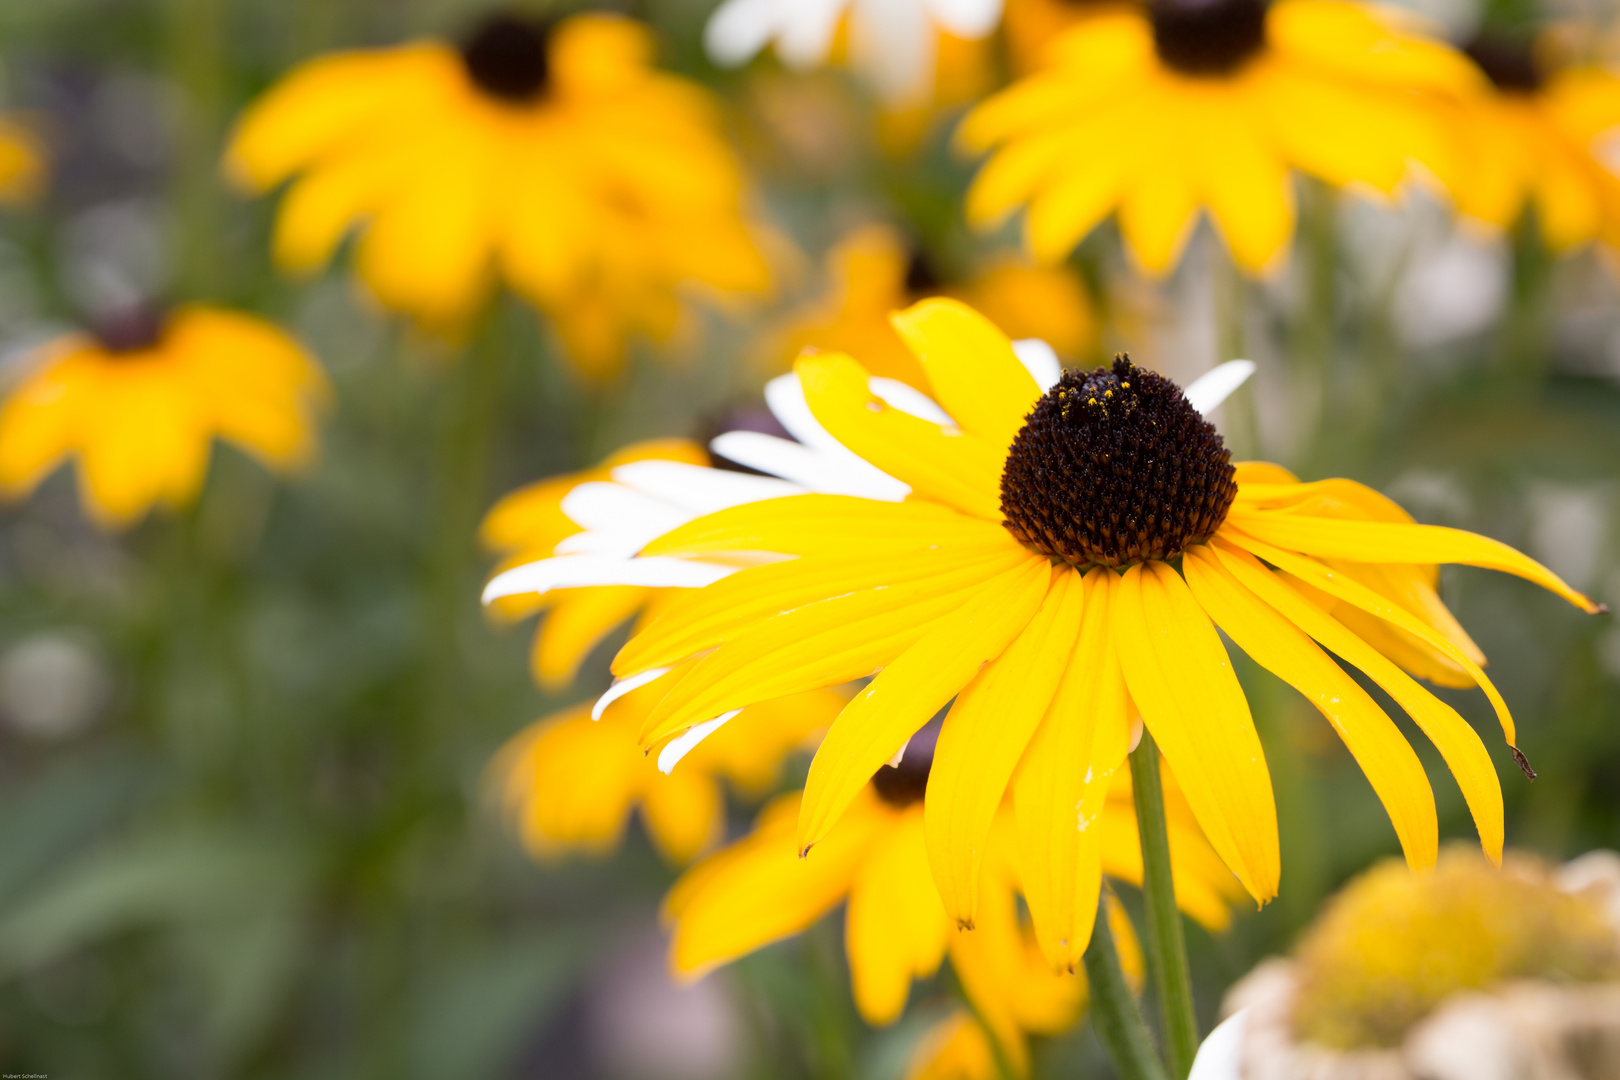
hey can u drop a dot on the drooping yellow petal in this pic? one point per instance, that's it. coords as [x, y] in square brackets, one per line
[1062, 784]
[955, 467]
[1180, 677]
[971, 366]
[683, 813]
[1377, 744]
[909, 691]
[579, 619]
[1458, 743]
[983, 737]
[894, 927]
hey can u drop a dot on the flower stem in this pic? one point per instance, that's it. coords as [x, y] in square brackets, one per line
[1113, 1008]
[1166, 943]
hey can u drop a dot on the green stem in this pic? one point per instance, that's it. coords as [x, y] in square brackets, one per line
[1166, 942]
[1113, 1009]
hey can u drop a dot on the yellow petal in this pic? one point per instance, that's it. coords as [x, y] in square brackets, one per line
[971, 366]
[1458, 743]
[1372, 738]
[683, 813]
[1061, 786]
[954, 467]
[1180, 677]
[579, 619]
[894, 927]
[913, 688]
[983, 737]
[1205, 888]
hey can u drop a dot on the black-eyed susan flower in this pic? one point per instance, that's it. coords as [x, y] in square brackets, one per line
[22, 162]
[893, 44]
[875, 860]
[1164, 111]
[1059, 568]
[556, 158]
[1532, 138]
[140, 407]
[872, 272]
[569, 782]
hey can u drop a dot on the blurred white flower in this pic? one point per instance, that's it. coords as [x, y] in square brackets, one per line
[51, 686]
[891, 42]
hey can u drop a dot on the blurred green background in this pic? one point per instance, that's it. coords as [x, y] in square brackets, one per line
[241, 825]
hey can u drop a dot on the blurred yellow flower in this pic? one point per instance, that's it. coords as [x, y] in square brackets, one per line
[1533, 139]
[569, 782]
[955, 1048]
[760, 890]
[557, 158]
[528, 524]
[1030, 26]
[22, 162]
[141, 408]
[1182, 106]
[872, 272]
[1392, 945]
[1031, 577]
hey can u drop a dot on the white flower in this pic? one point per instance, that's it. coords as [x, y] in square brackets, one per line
[891, 42]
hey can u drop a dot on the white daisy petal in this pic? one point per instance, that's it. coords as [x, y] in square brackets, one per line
[1040, 360]
[1214, 386]
[739, 29]
[892, 44]
[623, 686]
[784, 395]
[825, 473]
[805, 30]
[579, 571]
[1221, 1055]
[621, 542]
[614, 508]
[682, 744]
[908, 399]
[971, 19]
[697, 489]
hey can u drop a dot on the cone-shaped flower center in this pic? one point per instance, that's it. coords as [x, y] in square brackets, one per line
[1207, 37]
[129, 330]
[1114, 467]
[903, 785]
[507, 57]
[1508, 63]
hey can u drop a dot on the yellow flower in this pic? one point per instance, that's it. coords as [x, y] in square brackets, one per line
[1531, 139]
[956, 1048]
[1030, 27]
[528, 524]
[873, 272]
[140, 410]
[1391, 946]
[1161, 112]
[22, 162]
[876, 859]
[1032, 577]
[569, 782]
[556, 158]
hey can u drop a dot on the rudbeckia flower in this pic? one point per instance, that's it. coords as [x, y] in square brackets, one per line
[141, 406]
[557, 158]
[875, 860]
[569, 782]
[1532, 138]
[1059, 568]
[1177, 107]
[22, 162]
[872, 272]
[892, 43]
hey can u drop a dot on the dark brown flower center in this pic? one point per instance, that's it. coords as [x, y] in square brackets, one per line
[904, 785]
[1507, 62]
[131, 329]
[1114, 467]
[1207, 37]
[507, 57]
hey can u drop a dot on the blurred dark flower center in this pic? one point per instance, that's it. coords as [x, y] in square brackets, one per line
[1508, 63]
[1113, 467]
[904, 785]
[748, 417]
[129, 330]
[507, 57]
[1207, 37]
[921, 276]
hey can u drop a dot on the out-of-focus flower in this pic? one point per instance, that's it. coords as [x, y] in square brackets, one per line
[1027, 576]
[1030, 26]
[557, 158]
[761, 890]
[893, 44]
[1183, 106]
[1532, 138]
[569, 782]
[22, 162]
[955, 1048]
[140, 407]
[1471, 972]
[872, 272]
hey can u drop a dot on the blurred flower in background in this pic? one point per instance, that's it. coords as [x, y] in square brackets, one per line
[22, 162]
